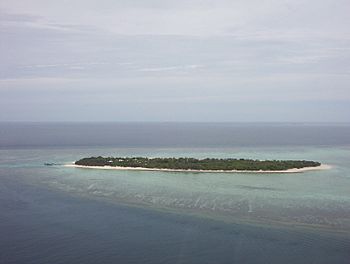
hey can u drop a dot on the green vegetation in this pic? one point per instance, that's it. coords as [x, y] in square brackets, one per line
[198, 164]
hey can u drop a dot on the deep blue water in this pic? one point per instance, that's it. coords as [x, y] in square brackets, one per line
[55, 215]
[171, 134]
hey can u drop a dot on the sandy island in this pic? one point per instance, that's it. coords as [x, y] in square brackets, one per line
[321, 167]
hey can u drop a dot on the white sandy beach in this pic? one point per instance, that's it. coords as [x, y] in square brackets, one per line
[321, 167]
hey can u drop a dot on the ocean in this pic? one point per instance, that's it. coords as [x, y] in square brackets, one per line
[57, 214]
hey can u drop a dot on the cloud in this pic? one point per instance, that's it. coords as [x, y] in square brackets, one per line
[172, 68]
[199, 51]
[244, 19]
[19, 20]
[65, 65]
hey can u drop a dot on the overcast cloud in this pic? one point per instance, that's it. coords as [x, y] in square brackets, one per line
[163, 60]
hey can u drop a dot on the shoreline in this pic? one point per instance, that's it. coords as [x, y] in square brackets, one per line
[321, 167]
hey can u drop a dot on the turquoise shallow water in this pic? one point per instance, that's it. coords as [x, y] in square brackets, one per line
[319, 198]
[58, 214]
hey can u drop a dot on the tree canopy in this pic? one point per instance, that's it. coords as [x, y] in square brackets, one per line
[197, 164]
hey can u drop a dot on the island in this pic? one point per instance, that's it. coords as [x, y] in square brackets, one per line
[199, 165]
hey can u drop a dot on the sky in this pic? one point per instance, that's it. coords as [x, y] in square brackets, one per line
[165, 60]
